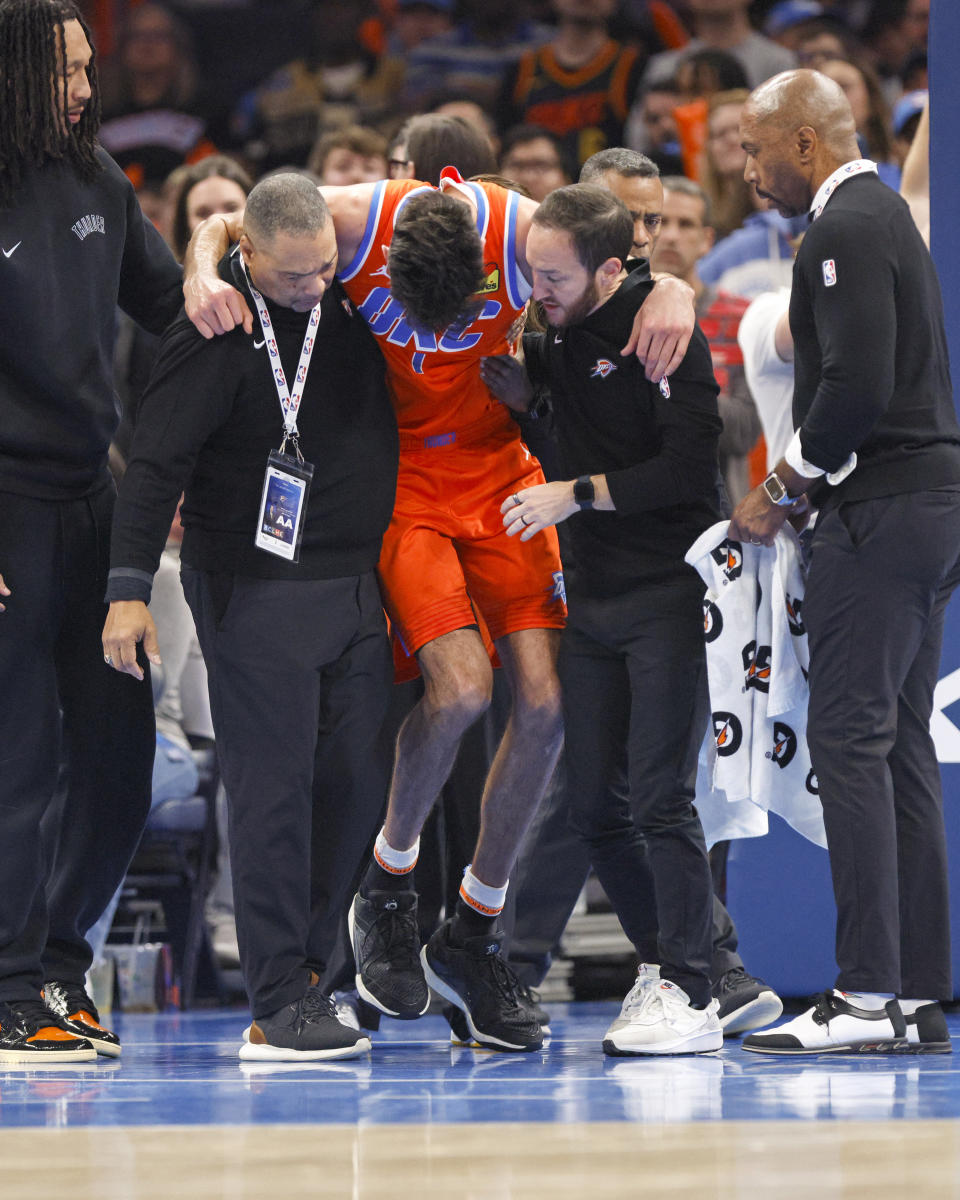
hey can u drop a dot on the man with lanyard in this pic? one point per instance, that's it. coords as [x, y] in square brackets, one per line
[877, 449]
[640, 483]
[278, 569]
[441, 277]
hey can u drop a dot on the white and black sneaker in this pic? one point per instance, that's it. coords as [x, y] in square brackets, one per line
[927, 1030]
[745, 1002]
[386, 950]
[476, 979]
[657, 1018]
[835, 1026]
[307, 1030]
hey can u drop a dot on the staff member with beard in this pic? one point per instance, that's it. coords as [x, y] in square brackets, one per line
[642, 484]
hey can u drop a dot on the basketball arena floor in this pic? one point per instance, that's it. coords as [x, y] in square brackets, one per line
[180, 1116]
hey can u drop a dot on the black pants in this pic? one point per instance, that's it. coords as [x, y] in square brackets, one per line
[299, 675]
[549, 877]
[633, 676]
[61, 706]
[880, 578]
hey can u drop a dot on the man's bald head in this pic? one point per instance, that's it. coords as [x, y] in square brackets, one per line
[793, 99]
[796, 129]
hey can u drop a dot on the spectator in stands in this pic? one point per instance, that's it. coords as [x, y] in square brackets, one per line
[731, 198]
[353, 154]
[217, 184]
[870, 111]
[419, 21]
[895, 30]
[474, 57]
[474, 114]
[338, 80]
[652, 126]
[579, 85]
[725, 26]
[535, 158]
[700, 77]
[755, 248]
[153, 112]
[685, 236]
[767, 348]
[822, 40]
[789, 21]
[434, 142]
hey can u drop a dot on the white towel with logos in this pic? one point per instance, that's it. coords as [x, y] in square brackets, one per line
[756, 758]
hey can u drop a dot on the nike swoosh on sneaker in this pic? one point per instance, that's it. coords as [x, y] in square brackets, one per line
[7, 253]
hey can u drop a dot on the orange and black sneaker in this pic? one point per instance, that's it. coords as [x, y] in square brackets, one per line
[30, 1032]
[70, 1002]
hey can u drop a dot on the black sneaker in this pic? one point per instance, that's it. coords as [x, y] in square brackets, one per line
[71, 1002]
[530, 998]
[476, 979]
[386, 950]
[30, 1032]
[927, 1030]
[745, 1002]
[306, 1030]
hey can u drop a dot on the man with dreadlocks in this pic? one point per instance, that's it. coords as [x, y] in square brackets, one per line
[74, 245]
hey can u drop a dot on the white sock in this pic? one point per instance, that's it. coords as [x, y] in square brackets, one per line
[908, 1007]
[871, 1001]
[397, 862]
[480, 896]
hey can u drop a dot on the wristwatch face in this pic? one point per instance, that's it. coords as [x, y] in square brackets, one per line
[774, 488]
[584, 492]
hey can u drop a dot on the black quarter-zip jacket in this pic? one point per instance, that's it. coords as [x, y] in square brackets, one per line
[657, 445]
[208, 421]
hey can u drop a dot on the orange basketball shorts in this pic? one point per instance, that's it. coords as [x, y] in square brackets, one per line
[446, 559]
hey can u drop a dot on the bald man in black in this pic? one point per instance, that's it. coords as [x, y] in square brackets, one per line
[877, 451]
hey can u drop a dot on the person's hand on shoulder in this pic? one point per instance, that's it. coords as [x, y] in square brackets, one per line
[211, 303]
[662, 328]
[214, 306]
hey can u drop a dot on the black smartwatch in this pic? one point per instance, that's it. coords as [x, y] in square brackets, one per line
[584, 492]
[776, 490]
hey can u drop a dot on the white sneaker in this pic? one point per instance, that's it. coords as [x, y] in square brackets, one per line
[834, 1025]
[657, 1018]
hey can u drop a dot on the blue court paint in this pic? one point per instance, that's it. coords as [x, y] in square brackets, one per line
[182, 1069]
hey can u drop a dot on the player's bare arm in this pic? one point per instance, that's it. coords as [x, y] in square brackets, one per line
[4, 591]
[214, 305]
[211, 303]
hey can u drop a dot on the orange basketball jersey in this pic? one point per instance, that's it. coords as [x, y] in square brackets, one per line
[434, 378]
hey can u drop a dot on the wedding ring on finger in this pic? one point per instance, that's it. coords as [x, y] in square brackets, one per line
[108, 659]
[756, 542]
[516, 498]
[524, 520]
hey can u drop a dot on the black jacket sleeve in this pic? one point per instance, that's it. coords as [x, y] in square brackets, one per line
[150, 277]
[189, 397]
[856, 327]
